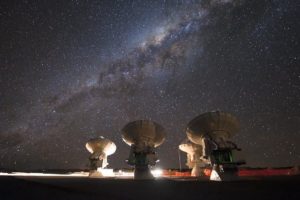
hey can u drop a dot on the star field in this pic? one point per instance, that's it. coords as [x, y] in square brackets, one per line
[74, 70]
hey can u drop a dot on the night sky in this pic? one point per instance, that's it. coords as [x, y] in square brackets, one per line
[74, 70]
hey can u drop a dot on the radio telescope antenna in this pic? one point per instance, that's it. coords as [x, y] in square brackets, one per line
[143, 136]
[100, 148]
[213, 131]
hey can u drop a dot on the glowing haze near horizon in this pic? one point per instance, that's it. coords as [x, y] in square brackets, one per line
[74, 70]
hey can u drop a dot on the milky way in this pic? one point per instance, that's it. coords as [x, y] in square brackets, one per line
[79, 69]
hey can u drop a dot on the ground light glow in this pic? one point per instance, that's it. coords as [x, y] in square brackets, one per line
[76, 174]
[105, 173]
[156, 172]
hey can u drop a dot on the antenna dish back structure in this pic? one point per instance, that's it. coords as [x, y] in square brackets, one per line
[217, 126]
[143, 136]
[99, 148]
[213, 131]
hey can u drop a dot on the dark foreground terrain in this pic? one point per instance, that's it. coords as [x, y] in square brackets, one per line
[89, 188]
